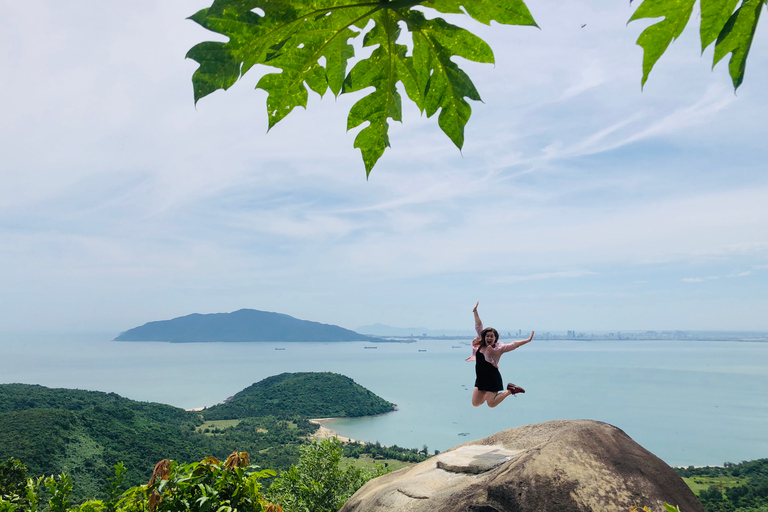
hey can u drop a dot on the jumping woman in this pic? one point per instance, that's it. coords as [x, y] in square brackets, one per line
[489, 387]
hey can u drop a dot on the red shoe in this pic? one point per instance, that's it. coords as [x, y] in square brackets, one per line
[514, 389]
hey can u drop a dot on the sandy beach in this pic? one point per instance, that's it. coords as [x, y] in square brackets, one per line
[325, 433]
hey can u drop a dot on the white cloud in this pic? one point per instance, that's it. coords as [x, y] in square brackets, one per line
[119, 197]
[544, 275]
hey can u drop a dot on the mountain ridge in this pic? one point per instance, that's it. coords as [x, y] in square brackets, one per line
[244, 325]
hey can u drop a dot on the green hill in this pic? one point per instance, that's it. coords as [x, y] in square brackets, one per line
[245, 325]
[309, 395]
[85, 433]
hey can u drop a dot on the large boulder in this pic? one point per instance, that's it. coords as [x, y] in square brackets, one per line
[558, 466]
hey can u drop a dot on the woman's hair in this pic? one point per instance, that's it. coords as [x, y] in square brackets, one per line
[484, 332]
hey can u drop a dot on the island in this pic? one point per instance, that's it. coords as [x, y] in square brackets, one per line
[306, 394]
[244, 325]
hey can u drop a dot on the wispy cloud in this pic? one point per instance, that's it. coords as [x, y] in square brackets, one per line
[121, 198]
[564, 274]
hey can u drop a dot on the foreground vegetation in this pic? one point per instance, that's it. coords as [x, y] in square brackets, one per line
[731, 488]
[85, 434]
[318, 483]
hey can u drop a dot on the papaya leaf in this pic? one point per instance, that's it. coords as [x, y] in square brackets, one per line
[513, 12]
[732, 31]
[308, 43]
[444, 84]
[736, 38]
[381, 71]
[714, 15]
[655, 39]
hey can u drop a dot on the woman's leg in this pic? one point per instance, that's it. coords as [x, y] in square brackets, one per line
[478, 397]
[497, 398]
[491, 398]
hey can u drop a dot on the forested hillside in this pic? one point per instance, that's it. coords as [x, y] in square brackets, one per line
[309, 395]
[85, 433]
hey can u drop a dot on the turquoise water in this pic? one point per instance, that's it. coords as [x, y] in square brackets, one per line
[690, 403]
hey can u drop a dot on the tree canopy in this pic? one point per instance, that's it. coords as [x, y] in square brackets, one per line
[309, 42]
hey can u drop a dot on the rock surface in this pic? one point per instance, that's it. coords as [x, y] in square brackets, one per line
[558, 466]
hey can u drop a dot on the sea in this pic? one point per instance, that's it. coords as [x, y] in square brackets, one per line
[689, 402]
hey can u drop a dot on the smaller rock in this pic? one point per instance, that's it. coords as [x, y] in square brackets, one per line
[475, 459]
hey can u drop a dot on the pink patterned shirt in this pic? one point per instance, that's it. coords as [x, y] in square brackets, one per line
[493, 353]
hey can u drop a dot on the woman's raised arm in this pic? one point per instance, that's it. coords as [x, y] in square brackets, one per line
[478, 322]
[523, 342]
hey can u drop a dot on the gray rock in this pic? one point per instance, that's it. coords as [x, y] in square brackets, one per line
[558, 466]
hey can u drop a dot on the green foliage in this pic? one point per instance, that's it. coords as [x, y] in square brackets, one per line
[733, 487]
[273, 443]
[22, 397]
[114, 489]
[308, 41]
[206, 486]
[84, 434]
[210, 485]
[377, 451]
[13, 478]
[8, 506]
[56, 490]
[86, 443]
[59, 488]
[731, 28]
[309, 395]
[317, 483]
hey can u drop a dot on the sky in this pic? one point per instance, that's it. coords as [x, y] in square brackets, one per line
[579, 200]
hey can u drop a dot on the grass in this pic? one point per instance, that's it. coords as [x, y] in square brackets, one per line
[219, 424]
[366, 462]
[702, 483]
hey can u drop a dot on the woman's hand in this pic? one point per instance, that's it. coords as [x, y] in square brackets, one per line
[530, 337]
[474, 309]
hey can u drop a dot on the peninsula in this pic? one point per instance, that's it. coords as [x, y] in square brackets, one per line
[245, 325]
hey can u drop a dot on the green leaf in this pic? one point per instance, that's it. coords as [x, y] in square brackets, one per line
[736, 39]
[655, 39]
[714, 15]
[443, 83]
[307, 42]
[323, 33]
[511, 12]
[380, 70]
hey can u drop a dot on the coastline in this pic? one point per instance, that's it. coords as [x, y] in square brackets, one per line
[326, 433]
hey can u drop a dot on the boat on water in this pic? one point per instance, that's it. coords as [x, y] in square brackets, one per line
[371, 347]
[422, 350]
[276, 348]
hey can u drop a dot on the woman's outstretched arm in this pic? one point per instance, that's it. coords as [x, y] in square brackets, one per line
[523, 342]
[478, 322]
[506, 347]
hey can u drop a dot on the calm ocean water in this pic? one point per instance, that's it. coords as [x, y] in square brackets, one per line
[689, 402]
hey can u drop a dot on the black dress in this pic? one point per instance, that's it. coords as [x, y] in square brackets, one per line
[488, 377]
